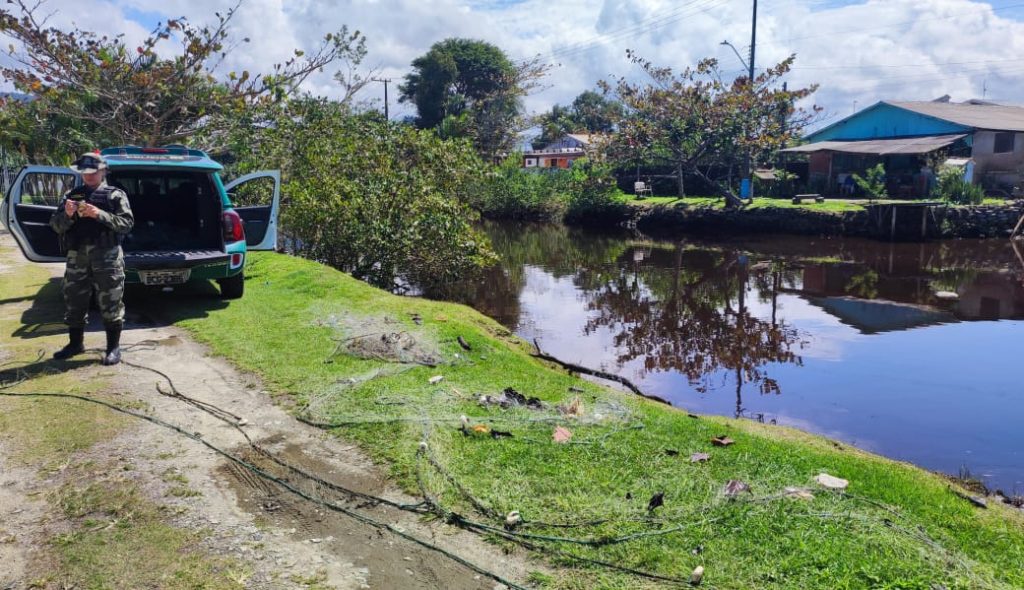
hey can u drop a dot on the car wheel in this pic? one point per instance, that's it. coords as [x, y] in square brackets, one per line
[232, 287]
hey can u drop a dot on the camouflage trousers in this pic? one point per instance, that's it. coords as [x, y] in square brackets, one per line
[89, 268]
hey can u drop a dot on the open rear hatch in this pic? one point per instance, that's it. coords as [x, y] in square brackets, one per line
[177, 218]
[177, 215]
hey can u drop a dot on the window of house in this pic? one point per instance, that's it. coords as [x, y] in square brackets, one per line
[1004, 143]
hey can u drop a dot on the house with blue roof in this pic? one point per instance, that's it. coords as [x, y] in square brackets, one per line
[911, 139]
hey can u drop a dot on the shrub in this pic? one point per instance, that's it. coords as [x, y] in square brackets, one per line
[873, 182]
[383, 202]
[953, 188]
[595, 193]
[509, 191]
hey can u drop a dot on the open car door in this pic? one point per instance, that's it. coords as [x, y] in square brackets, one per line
[31, 200]
[257, 200]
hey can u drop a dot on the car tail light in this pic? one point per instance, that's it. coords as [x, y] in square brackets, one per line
[233, 229]
[236, 260]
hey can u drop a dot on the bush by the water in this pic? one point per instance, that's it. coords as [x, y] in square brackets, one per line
[509, 191]
[595, 193]
[953, 188]
[383, 202]
[873, 182]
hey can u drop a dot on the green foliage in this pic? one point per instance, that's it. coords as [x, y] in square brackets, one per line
[453, 76]
[92, 90]
[782, 187]
[873, 182]
[470, 89]
[953, 188]
[509, 191]
[585, 191]
[595, 194]
[383, 202]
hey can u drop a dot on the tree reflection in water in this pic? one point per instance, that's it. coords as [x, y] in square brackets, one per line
[690, 315]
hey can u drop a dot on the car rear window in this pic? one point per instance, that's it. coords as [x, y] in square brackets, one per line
[155, 184]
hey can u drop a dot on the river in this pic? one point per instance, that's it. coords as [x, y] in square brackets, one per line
[912, 351]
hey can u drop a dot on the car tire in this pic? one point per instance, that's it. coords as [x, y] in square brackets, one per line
[232, 287]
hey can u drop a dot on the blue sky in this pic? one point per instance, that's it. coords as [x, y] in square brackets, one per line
[858, 51]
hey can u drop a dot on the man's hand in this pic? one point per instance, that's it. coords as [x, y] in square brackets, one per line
[70, 207]
[88, 210]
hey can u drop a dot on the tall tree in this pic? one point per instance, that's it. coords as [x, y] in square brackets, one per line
[469, 88]
[456, 75]
[704, 126]
[93, 89]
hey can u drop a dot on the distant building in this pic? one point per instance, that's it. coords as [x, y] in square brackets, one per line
[561, 153]
[910, 138]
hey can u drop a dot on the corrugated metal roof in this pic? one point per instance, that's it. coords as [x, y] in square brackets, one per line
[586, 138]
[901, 145]
[980, 116]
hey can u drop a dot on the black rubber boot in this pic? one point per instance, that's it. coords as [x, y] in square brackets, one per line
[75, 344]
[113, 355]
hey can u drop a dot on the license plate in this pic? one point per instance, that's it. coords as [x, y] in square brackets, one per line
[164, 277]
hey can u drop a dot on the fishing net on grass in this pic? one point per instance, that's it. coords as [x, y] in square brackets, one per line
[382, 338]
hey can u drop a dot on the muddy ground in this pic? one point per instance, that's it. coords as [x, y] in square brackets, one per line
[286, 541]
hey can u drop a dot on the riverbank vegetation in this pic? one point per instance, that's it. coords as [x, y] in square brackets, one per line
[304, 330]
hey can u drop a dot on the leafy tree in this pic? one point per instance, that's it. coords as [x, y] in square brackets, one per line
[454, 76]
[91, 89]
[384, 202]
[590, 112]
[703, 126]
[873, 182]
[469, 88]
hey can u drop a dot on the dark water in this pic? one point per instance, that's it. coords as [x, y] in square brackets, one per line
[847, 338]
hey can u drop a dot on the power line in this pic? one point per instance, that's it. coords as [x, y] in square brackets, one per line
[626, 30]
[702, 6]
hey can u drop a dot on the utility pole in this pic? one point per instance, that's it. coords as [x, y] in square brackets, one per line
[753, 43]
[750, 64]
[387, 117]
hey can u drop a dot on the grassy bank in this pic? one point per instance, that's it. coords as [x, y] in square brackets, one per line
[322, 339]
[830, 205]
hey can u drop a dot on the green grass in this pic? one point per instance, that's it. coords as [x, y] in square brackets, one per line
[901, 527]
[830, 205]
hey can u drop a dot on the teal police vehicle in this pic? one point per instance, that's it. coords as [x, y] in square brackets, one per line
[189, 225]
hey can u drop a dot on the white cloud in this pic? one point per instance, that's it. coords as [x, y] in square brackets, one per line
[858, 51]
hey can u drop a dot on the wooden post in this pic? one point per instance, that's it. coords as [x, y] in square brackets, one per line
[892, 232]
[924, 221]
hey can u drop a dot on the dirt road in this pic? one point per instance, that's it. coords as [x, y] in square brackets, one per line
[283, 540]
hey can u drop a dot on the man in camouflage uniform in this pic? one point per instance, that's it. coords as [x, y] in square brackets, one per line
[91, 220]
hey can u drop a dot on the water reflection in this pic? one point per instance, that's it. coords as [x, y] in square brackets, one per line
[877, 344]
[685, 310]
